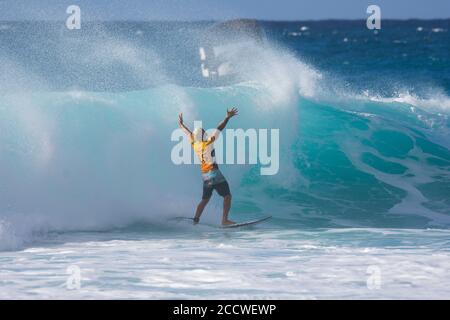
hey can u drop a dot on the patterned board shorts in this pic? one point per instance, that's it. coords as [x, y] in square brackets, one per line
[214, 180]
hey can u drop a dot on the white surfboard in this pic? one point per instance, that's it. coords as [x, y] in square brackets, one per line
[235, 225]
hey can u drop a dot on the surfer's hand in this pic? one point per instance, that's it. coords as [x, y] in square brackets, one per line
[232, 112]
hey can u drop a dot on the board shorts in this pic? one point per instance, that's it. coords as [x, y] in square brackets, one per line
[214, 180]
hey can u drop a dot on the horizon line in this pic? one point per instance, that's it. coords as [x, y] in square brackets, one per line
[222, 20]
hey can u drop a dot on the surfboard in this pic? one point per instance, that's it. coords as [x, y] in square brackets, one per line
[236, 225]
[246, 223]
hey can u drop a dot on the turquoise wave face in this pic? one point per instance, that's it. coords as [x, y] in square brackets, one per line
[371, 165]
[98, 160]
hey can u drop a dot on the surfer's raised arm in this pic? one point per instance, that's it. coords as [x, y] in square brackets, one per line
[183, 126]
[230, 113]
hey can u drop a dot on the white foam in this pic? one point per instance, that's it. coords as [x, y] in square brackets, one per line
[436, 102]
[257, 265]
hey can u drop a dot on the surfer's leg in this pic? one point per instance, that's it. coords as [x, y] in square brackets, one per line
[201, 206]
[207, 193]
[226, 210]
[224, 190]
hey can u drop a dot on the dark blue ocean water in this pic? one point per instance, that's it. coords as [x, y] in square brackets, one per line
[409, 54]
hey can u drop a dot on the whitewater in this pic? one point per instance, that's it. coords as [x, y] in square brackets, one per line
[360, 204]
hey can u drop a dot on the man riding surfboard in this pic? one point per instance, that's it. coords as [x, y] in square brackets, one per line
[213, 178]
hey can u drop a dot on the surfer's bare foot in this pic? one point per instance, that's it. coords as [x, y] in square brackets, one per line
[196, 220]
[227, 222]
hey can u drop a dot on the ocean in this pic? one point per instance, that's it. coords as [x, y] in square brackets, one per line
[360, 204]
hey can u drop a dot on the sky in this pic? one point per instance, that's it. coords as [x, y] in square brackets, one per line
[221, 9]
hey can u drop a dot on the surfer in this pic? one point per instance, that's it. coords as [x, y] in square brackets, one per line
[213, 178]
